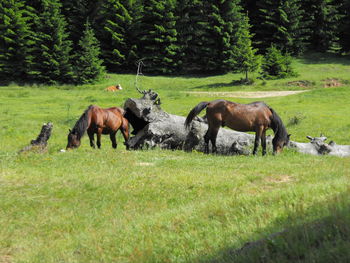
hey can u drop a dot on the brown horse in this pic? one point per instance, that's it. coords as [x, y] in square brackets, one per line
[256, 117]
[99, 121]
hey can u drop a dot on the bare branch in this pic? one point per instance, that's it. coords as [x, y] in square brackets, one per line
[139, 73]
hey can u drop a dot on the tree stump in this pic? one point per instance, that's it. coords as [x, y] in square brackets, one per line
[40, 143]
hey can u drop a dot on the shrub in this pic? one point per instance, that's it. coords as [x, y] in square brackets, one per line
[276, 65]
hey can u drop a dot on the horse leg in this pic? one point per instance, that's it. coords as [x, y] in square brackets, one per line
[99, 132]
[113, 139]
[263, 142]
[92, 139]
[258, 135]
[214, 134]
[211, 134]
[125, 132]
[206, 141]
[256, 142]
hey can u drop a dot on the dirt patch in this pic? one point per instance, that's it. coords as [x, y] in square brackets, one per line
[247, 94]
[279, 179]
[6, 259]
[328, 83]
[300, 83]
[145, 164]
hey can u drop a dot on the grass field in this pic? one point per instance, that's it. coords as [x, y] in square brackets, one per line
[170, 206]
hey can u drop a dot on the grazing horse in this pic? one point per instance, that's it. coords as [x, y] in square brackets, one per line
[99, 121]
[256, 117]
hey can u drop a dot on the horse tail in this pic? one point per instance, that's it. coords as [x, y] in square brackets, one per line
[194, 112]
[82, 124]
[277, 124]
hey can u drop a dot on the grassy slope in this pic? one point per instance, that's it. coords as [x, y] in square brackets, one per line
[164, 206]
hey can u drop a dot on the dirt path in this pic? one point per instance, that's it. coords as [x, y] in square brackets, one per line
[247, 94]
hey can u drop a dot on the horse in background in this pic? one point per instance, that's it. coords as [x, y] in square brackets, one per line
[99, 121]
[114, 88]
[256, 117]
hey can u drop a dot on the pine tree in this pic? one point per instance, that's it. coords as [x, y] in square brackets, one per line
[135, 9]
[292, 29]
[192, 27]
[251, 8]
[207, 34]
[324, 22]
[157, 37]
[88, 66]
[232, 24]
[199, 41]
[344, 25]
[276, 65]
[15, 41]
[51, 52]
[77, 12]
[266, 24]
[113, 24]
[182, 28]
[116, 36]
[245, 58]
[281, 22]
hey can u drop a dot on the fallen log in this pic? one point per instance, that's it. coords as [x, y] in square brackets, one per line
[153, 127]
[318, 146]
[40, 143]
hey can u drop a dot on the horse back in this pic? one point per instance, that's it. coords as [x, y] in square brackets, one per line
[116, 111]
[240, 117]
[114, 118]
[110, 118]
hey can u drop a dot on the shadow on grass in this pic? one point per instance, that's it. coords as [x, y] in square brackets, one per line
[325, 58]
[233, 83]
[324, 240]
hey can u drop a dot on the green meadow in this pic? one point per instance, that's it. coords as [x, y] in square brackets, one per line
[112, 205]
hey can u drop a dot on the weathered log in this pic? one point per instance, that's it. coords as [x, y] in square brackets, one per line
[40, 143]
[153, 127]
[318, 146]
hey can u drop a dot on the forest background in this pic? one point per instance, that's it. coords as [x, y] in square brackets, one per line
[64, 41]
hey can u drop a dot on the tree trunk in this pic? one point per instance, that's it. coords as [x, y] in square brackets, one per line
[40, 143]
[152, 127]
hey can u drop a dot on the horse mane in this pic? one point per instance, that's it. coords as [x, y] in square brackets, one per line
[277, 126]
[82, 124]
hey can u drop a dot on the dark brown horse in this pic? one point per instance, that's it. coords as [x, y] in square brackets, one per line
[256, 117]
[99, 121]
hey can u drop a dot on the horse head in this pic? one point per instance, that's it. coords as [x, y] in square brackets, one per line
[73, 140]
[279, 142]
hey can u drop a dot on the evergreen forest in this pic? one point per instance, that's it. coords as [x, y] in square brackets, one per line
[76, 41]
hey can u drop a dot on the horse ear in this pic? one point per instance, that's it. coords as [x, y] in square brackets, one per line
[289, 135]
[70, 131]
